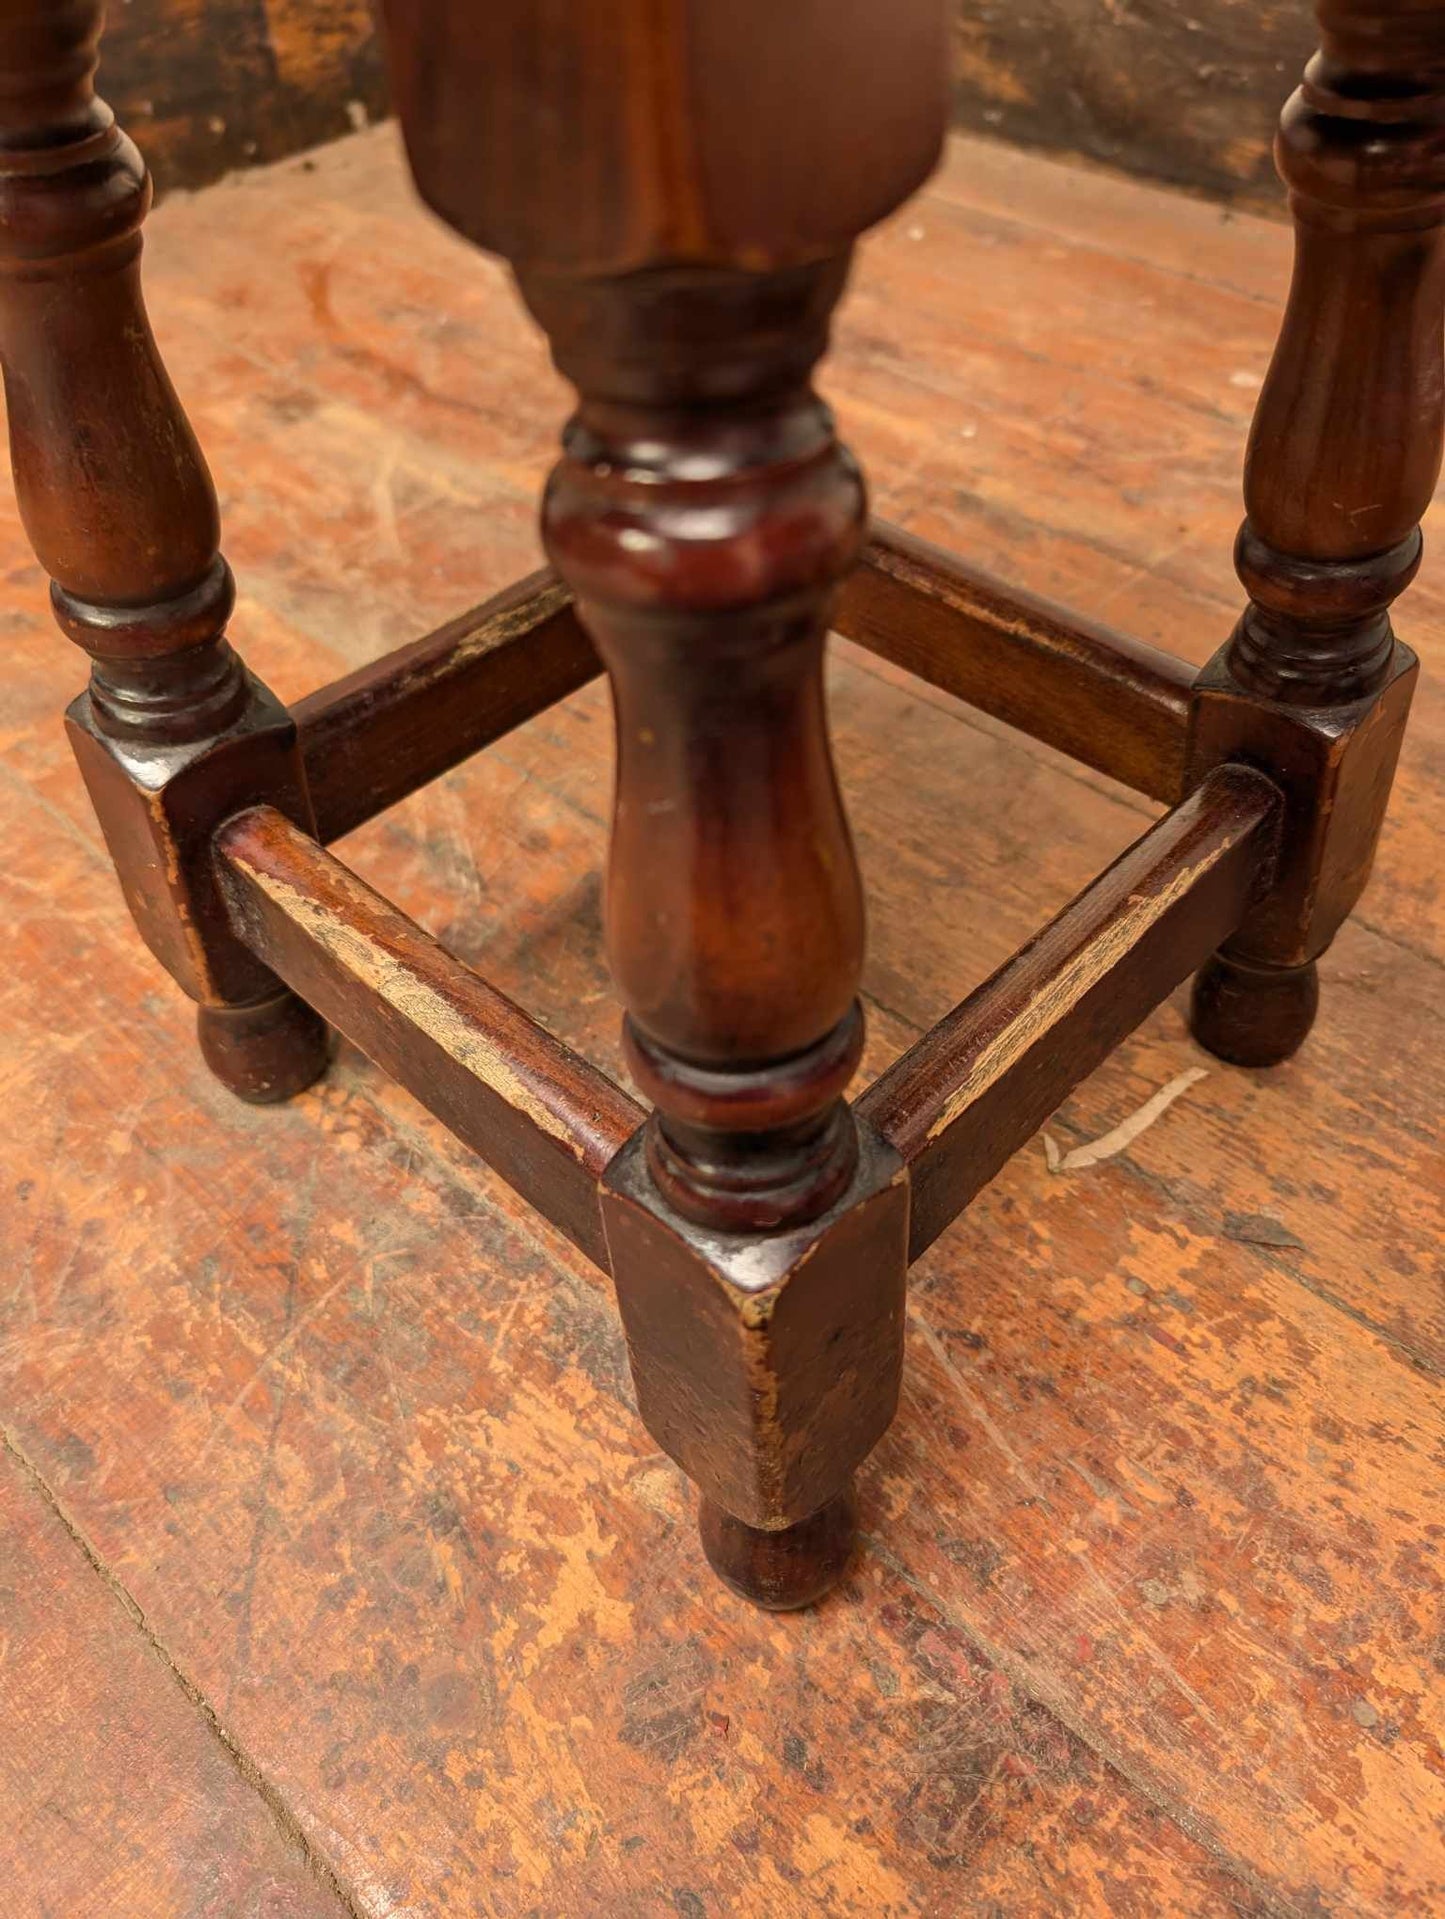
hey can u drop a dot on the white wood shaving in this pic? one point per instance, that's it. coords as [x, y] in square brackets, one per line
[1125, 1133]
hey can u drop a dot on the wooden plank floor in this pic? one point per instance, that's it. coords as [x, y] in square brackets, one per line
[336, 1574]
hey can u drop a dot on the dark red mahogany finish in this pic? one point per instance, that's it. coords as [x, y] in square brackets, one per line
[680, 213]
[120, 510]
[1342, 462]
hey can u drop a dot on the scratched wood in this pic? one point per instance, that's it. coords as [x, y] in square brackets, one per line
[1148, 1616]
[138, 1809]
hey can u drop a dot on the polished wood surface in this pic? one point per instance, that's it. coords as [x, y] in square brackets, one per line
[655, 96]
[1145, 1614]
[704, 515]
[1343, 459]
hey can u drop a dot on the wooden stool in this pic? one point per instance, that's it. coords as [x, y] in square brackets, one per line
[678, 185]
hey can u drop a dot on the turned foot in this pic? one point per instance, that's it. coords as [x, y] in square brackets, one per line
[1253, 1015]
[267, 1051]
[781, 1571]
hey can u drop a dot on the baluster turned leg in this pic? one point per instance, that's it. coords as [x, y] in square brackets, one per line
[678, 187]
[704, 542]
[1343, 460]
[173, 734]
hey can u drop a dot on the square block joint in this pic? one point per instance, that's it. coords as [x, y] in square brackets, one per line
[160, 807]
[1335, 767]
[768, 1367]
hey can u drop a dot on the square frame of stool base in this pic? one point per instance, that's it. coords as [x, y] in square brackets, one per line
[935, 1127]
[758, 1228]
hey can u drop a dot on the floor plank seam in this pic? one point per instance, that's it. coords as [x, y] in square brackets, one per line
[273, 1799]
[1194, 1217]
[1397, 940]
[1016, 1671]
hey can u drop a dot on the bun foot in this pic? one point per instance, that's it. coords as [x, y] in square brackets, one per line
[781, 1571]
[1253, 1015]
[265, 1052]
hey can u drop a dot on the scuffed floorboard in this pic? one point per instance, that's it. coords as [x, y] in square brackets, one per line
[1148, 1620]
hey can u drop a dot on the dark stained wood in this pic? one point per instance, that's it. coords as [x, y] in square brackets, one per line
[1104, 699]
[381, 732]
[1185, 94]
[355, 1429]
[1254, 1015]
[966, 1097]
[1343, 459]
[782, 1571]
[655, 172]
[705, 515]
[546, 1120]
[209, 86]
[173, 733]
[766, 1365]
[1111, 702]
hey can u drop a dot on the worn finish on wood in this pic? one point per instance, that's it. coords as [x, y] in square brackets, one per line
[173, 733]
[768, 1366]
[1103, 699]
[356, 1434]
[139, 1808]
[378, 734]
[966, 1097]
[1173, 93]
[208, 86]
[547, 1121]
[1343, 459]
[389, 728]
[705, 515]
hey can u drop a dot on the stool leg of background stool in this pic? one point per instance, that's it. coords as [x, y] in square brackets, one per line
[173, 734]
[1344, 456]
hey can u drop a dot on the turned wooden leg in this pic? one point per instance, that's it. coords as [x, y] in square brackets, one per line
[1313, 687]
[704, 515]
[173, 734]
[734, 914]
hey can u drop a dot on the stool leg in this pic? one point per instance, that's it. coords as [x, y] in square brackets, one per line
[173, 734]
[683, 244]
[704, 542]
[1313, 686]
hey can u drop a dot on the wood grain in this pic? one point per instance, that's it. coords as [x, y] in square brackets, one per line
[139, 1808]
[214, 85]
[1180, 94]
[1157, 1628]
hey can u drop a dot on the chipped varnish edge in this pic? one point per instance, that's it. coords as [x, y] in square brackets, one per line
[484, 1067]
